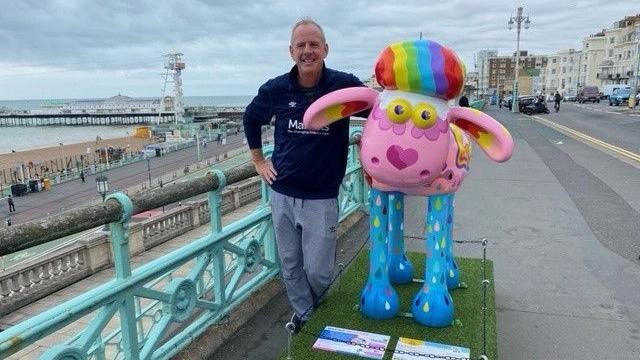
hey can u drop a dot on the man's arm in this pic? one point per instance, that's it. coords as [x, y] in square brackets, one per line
[257, 114]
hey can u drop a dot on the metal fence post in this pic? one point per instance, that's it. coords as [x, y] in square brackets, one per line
[215, 201]
[217, 258]
[267, 151]
[122, 265]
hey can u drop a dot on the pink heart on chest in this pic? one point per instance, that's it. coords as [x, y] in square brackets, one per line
[401, 158]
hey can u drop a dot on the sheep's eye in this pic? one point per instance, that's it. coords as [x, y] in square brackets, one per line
[399, 111]
[424, 116]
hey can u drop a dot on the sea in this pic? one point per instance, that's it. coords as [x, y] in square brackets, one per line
[34, 137]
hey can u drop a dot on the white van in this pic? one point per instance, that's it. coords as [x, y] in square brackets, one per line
[607, 90]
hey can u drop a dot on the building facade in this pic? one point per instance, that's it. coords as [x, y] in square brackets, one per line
[502, 71]
[482, 63]
[593, 51]
[471, 84]
[563, 72]
[620, 64]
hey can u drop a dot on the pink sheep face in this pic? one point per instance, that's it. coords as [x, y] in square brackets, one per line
[406, 140]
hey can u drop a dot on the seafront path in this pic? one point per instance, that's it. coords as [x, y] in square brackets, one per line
[562, 219]
[76, 193]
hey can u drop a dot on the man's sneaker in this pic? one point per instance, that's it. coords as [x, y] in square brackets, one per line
[297, 322]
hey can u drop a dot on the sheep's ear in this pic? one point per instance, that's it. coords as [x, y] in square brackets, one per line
[491, 136]
[337, 105]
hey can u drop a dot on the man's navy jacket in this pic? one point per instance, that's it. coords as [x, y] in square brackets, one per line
[310, 164]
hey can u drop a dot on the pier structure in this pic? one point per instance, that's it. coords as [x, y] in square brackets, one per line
[27, 118]
[173, 71]
[44, 119]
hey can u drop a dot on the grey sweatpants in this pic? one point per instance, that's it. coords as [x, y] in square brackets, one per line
[306, 238]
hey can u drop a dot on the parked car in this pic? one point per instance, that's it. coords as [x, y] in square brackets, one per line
[589, 94]
[619, 96]
[571, 98]
[608, 90]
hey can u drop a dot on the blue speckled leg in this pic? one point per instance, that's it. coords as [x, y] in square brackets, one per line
[432, 306]
[453, 273]
[400, 268]
[378, 299]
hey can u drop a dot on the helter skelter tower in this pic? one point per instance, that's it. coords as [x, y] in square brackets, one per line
[173, 69]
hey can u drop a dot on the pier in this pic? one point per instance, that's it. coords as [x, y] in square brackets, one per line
[44, 119]
[36, 118]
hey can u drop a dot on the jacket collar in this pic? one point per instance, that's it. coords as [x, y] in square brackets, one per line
[293, 77]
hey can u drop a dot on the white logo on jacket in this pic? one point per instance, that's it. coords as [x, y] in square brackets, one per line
[297, 127]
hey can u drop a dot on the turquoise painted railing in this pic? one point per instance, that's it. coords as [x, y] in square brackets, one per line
[164, 304]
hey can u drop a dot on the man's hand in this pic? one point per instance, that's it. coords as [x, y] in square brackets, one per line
[264, 167]
[266, 170]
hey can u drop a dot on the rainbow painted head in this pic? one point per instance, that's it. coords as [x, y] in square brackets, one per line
[413, 141]
[421, 67]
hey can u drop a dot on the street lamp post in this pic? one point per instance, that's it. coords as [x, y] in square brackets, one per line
[61, 155]
[197, 146]
[149, 171]
[519, 20]
[103, 188]
[634, 91]
[102, 184]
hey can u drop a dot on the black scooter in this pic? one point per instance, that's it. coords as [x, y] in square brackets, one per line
[538, 107]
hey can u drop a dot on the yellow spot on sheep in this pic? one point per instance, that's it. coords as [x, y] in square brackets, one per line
[425, 308]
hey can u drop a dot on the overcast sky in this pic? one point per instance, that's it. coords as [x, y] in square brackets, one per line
[79, 49]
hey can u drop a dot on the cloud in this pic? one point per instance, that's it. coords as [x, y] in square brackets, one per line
[71, 49]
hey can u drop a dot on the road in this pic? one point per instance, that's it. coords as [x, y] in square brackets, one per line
[564, 233]
[611, 124]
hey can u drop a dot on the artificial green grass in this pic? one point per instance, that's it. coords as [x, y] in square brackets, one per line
[340, 309]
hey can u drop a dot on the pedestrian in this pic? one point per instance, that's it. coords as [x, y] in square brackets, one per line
[12, 206]
[82, 175]
[500, 102]
[464, 101]
[306, 167]
[557, 98]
